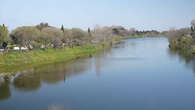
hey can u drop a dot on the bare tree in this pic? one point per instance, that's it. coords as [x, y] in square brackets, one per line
[177, 34]
[102, 34]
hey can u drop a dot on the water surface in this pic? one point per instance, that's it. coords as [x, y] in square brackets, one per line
[139, 74]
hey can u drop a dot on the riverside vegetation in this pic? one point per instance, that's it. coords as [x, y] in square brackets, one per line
[182, 41]
[47, 44]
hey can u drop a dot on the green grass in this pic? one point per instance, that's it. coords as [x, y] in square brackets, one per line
[16, 60]
[21, 60]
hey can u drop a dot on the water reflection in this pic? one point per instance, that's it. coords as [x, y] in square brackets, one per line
[32, 79]
[101, 57]
[56, 107]
[188, 59]
[139, 72]
[27, 81]
[5, 92]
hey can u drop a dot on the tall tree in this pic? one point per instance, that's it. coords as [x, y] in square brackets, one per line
[62, 28]
[193, 25]
[193, 28]
[4, 38]
[89, 32]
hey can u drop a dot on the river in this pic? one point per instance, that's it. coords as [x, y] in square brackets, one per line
[138, 74]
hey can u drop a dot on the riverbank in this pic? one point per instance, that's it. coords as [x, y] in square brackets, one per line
[121, 68]
[15, 60]
[183, 45]
[19, 60]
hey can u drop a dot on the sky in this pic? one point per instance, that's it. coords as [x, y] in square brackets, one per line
[140, 14]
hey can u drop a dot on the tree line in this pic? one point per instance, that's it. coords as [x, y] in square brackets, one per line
[46, 36]
[182, 40]
[173, 33]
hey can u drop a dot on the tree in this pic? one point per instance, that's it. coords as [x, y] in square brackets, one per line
[193, 28]
[79, 36]
[89, 32]
[25, 36]
[42, 25]
[44, 40]
[56, 36]
[102, 34]
[62, 28]
[132, 31]
[4, 37]
[177, 34]
[193, 25]
[67, 37]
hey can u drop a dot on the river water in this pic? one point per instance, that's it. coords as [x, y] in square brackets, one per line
[138, 74]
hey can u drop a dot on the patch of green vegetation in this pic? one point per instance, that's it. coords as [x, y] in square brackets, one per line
[182, 41]
[16, 60]
[183, 45]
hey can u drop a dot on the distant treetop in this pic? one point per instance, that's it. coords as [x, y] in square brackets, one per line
[193, 23]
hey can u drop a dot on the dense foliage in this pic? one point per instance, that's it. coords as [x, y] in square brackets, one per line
[46, 36]
[67, 43]
[4, 38]
[183, 40]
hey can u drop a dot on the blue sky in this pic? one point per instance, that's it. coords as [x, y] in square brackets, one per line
[141, 14]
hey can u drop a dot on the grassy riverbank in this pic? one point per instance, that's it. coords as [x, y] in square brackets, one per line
[19, 60]
[183, 45]
[56, 42]
[15, 60]
[182, 41]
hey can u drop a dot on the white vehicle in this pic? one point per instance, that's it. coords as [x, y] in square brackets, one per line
[22, 48]
[1, 50]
